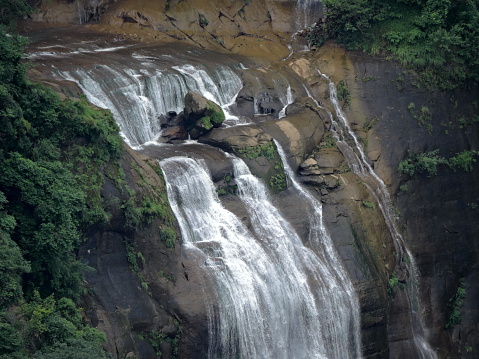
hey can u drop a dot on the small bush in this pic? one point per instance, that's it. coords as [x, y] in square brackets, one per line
[367, 204]
[425, 163]
[464, 160]
[278, 182]
[168, 235]
[455, 304]
[392, 282]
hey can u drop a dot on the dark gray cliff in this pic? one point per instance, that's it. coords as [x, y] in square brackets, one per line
[143, 292]
[438, 214]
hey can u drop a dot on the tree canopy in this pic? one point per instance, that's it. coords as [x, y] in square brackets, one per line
[51, 156]
[439, 38]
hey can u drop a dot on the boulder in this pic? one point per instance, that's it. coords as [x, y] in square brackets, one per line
[232, 139]
[201, 115]
[329, 158]
[173, 134]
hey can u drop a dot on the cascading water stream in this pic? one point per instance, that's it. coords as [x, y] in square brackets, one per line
[266, 306]
[356, 160]
[307, 13]
[137, 98]
[322, 242]
[287, 101]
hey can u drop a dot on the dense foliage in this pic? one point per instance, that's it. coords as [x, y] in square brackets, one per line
[438, 38]
[427, 163]
[51, 155]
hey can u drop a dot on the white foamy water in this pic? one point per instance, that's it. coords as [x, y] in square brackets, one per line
[276, 298]
[137, 99]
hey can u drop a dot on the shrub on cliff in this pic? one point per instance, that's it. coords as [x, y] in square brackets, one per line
[439, 38]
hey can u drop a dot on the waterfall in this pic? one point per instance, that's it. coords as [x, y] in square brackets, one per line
[222, 87]
[82, 15]
[286, 101]
[138, 98]
[350, 147]
[276, 298]
[308, 13]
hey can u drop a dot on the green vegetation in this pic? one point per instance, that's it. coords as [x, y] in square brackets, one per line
[156, 338]
[253, 152]
[168, 235]
[367, 204]
[329, 141]
[52, 154]
[276, 178]
[423, 116]
[11, 11]
[343, 93]
[206, 123]
[455, 304]
[133, 256]
[369, 78]
[227, 186]
[344, 168]
[464, 160]
[48, 329]
[214, 117]
[203, 21]
[277, 182]
[426, 163]
[437, 38]
[392, 283]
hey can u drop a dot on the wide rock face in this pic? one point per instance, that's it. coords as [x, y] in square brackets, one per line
[141, 285]
[437, 214]
[252, 28]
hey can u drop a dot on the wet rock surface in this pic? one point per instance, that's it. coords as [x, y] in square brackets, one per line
[201, 115]
[436, 219]
[163, 294]
[437, 214]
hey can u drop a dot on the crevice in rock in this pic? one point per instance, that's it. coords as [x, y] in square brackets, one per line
[184, 33]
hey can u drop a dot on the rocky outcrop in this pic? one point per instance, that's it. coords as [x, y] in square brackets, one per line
[255, 28]
[201, 115]
[298, 134]
[142, 291]
[173, 134]
[437, 213]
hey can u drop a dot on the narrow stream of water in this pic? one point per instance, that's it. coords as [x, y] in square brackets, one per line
[352, 151]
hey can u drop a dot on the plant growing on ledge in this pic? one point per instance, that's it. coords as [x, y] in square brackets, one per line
[367, 204]
[203, 21]
[422, 163]
[343, 93]
[455, 303]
